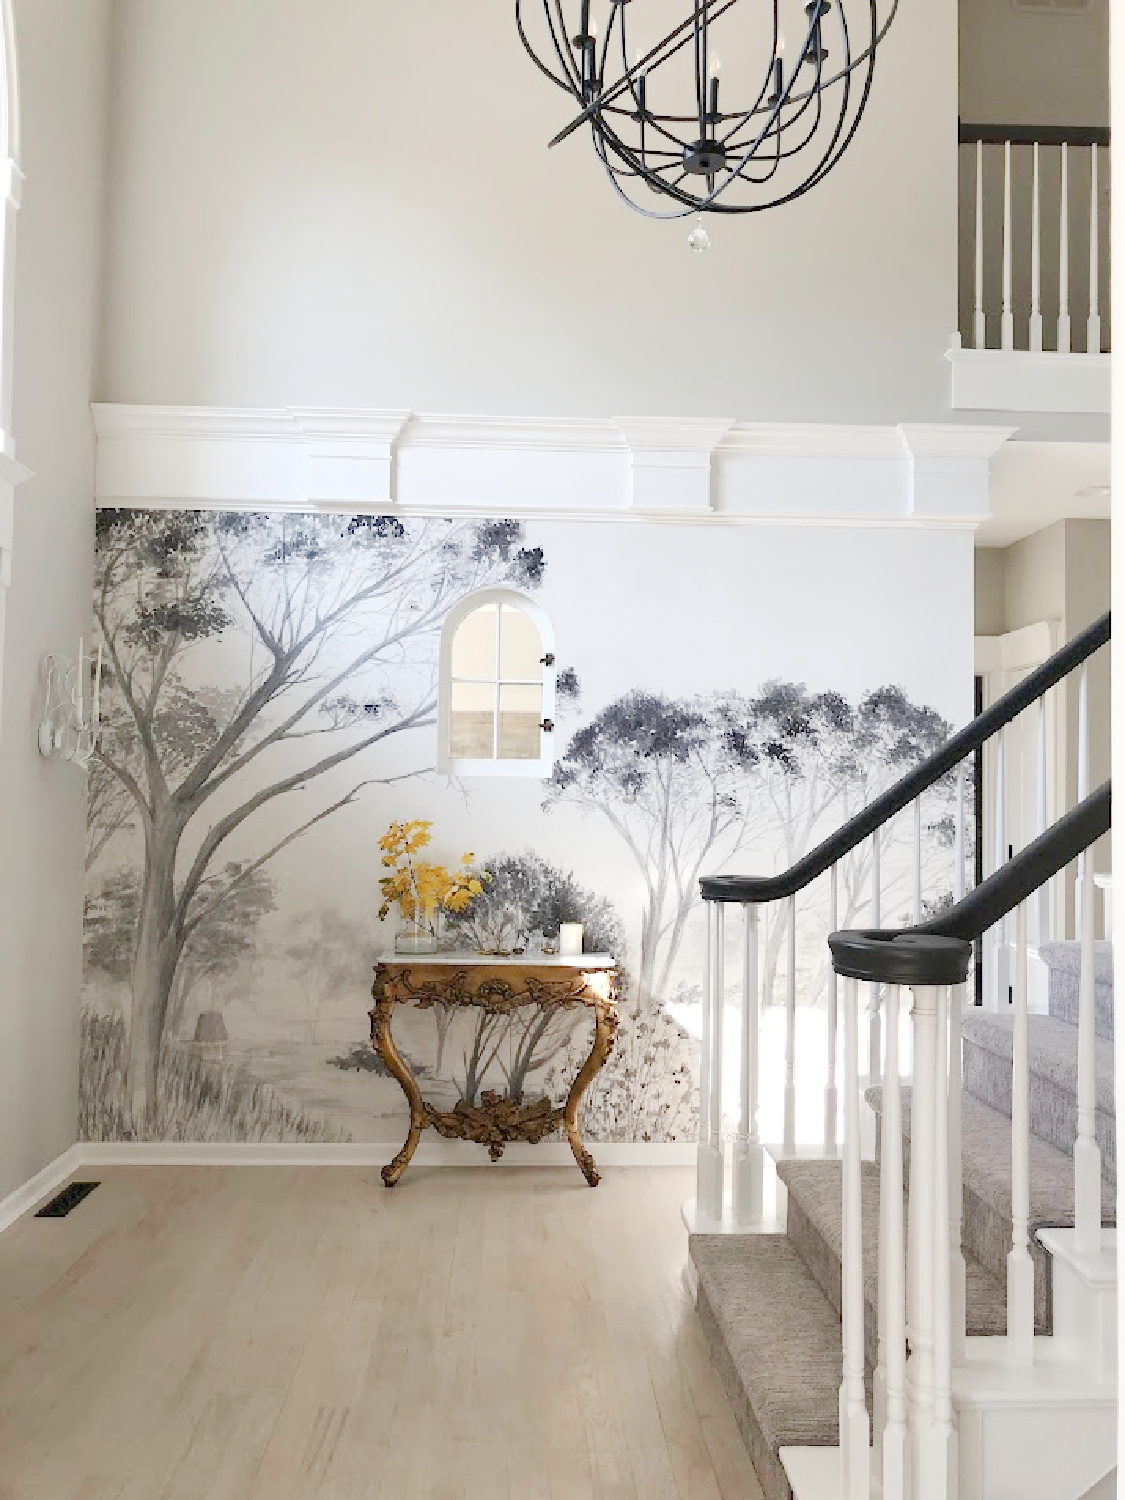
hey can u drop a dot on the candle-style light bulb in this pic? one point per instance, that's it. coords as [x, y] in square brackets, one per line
[639, 84]
[715, 70]
[716, 66]
[778, 69]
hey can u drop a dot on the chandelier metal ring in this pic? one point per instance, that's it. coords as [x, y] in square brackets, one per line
[658, 122]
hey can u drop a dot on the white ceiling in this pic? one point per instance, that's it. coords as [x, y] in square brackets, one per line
[1035, 484]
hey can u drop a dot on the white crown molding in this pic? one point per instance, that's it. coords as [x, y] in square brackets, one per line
[1019, 380]
[640, 468]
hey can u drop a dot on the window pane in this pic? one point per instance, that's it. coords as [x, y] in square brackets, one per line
[521, 709]
[471, 720]
[474, 644]
[521, 649]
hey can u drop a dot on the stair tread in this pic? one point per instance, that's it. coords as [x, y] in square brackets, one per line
[775, 1339]
[986, 1163]
[816, 1187]
[1052, 1048]
[1067, 957]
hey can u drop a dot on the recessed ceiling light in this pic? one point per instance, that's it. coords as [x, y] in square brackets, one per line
[1093, 492]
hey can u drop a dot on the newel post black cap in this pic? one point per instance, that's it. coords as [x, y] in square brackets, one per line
[910, 958]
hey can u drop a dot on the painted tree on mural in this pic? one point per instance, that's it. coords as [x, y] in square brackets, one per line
[662, 773]
[327, 608]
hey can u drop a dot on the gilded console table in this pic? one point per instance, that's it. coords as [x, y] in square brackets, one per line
[500, 987]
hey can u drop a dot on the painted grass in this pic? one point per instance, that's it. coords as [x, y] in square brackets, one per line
[198, 1100]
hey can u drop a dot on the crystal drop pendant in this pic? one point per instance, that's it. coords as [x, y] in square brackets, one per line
[699, 239]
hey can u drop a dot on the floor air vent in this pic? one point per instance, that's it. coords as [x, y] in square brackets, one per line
[70, 1197]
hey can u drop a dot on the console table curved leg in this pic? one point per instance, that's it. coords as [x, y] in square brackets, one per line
[384, 1044]
[605, 1030]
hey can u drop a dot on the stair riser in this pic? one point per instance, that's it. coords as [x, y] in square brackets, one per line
[1062, 1002]
[1053, 1111]
[823, 1261]
[986, 1234]
[767, 1464]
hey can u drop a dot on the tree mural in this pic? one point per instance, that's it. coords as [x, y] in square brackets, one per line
[662, 775]
[326, 951]
[338, 621]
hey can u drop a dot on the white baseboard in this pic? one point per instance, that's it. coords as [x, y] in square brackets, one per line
[362, 1154]
[373, 1154]
[43, 1185]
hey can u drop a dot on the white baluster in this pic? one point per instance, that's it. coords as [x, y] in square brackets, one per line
[1035, 322]
[958, 1287]
[1007, 325]
[1021, 1272]
[917, 859]
[979, 326]
[747, 1169]
[855, 1439]
[874, 992]
[1083, 782]
[1093, 322]
[830, 1096]
[941, 1464]
[921, 1264]
[1064, 255]
[1087, 1153]
[708, 1171]
[892, 1271]
[1040, 926]
[791, 1031]
[718, 1151]
[996, 975]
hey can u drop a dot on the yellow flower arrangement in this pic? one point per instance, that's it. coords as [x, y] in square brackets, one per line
[418, 888]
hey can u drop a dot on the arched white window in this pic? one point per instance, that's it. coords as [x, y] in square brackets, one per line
[497, 700]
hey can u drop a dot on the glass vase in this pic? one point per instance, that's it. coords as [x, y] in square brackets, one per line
[416, 937]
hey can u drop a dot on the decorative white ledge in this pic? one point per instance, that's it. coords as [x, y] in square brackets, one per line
[639, 468]
[1017, 380]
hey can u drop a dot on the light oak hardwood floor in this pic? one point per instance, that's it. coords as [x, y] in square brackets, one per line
[286, 1333]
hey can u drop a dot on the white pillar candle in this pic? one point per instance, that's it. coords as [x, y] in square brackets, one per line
[570, 939]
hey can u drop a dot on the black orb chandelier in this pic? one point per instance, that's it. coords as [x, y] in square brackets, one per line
[732, 107]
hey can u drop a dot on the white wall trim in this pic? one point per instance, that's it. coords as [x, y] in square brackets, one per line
[638, 468]
[43, 1185]
[1018, 380]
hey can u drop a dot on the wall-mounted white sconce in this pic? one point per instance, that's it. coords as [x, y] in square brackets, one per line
[69, 727]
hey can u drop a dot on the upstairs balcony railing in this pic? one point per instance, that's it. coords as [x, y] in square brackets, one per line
[1034, 239]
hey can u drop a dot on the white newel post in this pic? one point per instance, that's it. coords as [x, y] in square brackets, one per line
[747, 1168]
[921, 1248]
[709, 1168]
[830, 1094]
[718, 1005]
[1021, 1271]
[1087, 1154]
[855, 1452]
[790, 1130]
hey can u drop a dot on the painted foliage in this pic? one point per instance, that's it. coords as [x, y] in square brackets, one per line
[271, 706]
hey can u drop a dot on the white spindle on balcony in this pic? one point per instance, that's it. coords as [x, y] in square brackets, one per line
[854, 1427]
[980, 328]
[1021, 1271]
[746, 1184]
[1064, 253]
[1094, 322]
[1035, 321]
[1007, 320]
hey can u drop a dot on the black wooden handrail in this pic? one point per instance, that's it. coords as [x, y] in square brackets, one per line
[1033, 135]
[756, 890]
[938, 951]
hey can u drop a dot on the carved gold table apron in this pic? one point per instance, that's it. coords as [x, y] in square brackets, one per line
[498, 986]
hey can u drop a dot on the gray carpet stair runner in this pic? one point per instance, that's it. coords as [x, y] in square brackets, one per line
[770, 1304]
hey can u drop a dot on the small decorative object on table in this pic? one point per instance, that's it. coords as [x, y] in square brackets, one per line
[499, 987]
[421, 890]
